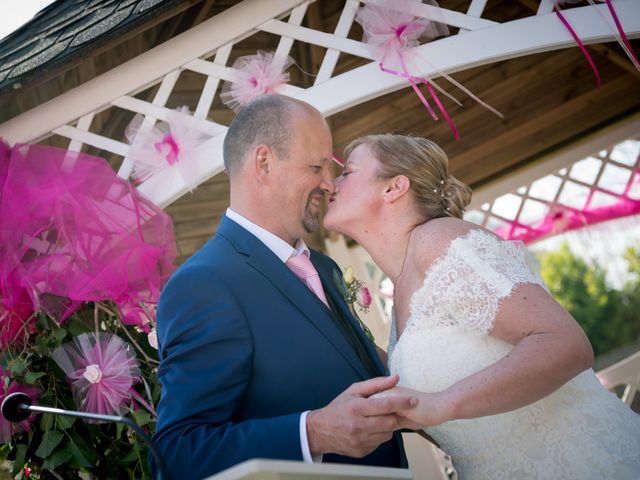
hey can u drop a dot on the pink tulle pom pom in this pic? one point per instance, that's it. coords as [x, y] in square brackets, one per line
[102, 370]
[389, 30]
[72, 231]
[254, 75]
[175, 144]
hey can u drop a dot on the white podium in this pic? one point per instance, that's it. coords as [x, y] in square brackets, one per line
[287, 470]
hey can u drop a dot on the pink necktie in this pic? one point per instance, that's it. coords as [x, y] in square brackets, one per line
[304, 269]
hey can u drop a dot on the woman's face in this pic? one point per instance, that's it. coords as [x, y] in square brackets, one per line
[358, 194]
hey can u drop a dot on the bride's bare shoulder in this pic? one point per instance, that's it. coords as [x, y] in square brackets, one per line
[432, 238]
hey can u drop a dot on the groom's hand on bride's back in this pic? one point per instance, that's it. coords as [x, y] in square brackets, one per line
[354, 424]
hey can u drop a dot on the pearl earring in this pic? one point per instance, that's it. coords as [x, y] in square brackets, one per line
[386, 197]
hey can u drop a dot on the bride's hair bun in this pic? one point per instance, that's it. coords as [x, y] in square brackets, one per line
[425, 164]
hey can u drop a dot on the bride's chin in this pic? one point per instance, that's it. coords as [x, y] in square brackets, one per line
[329, 224]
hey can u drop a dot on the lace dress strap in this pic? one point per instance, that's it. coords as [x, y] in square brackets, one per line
[393, 336]
[465, 285]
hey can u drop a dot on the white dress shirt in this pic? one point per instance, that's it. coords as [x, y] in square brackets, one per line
[283, 251]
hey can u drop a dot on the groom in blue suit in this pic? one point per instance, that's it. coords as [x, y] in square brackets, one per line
[253, 362]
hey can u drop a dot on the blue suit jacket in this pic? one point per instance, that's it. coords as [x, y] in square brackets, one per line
[245, 347]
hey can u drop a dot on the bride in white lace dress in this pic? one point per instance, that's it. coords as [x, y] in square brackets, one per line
[502, 372]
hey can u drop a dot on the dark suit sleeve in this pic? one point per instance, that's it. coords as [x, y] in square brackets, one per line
[206, 351]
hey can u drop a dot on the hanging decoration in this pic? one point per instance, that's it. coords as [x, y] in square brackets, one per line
[72, 231]
[618, 32]
[102, 370]
[254, 75]
[175, 144]
[391, 35]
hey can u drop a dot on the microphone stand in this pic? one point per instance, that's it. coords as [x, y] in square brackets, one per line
[17, 407]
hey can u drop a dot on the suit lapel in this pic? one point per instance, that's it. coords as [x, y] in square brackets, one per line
[331, 289]
[265, 262]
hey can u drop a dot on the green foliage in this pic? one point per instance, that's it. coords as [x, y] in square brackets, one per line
[610, 317]
[63, 447]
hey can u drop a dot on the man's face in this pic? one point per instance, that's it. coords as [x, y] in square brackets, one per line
[303, 179]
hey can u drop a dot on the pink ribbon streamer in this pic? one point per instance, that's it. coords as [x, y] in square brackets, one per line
[143, 402]
[412, 81]
[568, 26]
[621, 31]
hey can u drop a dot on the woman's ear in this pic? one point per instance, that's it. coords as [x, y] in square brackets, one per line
[397, 187]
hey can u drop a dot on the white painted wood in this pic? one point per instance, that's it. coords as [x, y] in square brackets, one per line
[166, 187]
[83, 124]
[448, 54]
[626, 372]
[578, 150]
[160, 98]
[315, 37]
[450, 17]
[285, 44]
[476, 8]
[161, 113]
[211, 85]
[209, 68]
[491, 42]
[225, 73]
[144, 70]
[259, 469]
[546, 6]
[92, 139]
[501, 42]
[342, 30]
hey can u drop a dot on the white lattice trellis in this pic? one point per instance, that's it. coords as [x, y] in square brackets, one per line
[601, 179]
[480, 42]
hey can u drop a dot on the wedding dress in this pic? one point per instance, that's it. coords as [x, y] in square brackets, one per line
[581, 431]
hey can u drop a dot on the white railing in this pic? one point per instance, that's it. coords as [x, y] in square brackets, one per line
[70, 115]
[624, 373]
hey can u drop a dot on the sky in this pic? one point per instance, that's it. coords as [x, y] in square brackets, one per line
[18, 13]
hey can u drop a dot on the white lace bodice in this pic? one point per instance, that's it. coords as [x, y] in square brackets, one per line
[580, 431]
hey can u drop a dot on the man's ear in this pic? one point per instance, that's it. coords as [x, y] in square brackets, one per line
[262, 161]
[396, 188]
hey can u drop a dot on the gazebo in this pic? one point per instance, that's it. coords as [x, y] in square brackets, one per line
[78, 73]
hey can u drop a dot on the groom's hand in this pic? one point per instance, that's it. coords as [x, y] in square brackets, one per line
[354, 424]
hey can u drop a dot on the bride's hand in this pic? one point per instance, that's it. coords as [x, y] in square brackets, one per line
[432, 409]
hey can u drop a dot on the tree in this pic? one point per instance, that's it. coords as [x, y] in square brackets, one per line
[608, 316]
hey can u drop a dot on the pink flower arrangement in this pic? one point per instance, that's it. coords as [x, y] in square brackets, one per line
[355, 293]
[102, 371]
[7, 429]
[363, 297]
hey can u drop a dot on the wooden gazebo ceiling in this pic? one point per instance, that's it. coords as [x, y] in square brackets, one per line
[549, 100]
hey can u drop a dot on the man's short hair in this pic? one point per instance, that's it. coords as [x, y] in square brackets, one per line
[266, 120]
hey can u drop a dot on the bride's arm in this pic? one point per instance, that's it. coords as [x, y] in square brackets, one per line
[550, 348]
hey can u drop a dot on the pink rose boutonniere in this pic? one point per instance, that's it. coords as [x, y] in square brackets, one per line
[355, 292]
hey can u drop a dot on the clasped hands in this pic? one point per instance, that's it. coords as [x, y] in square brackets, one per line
[366, 414]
